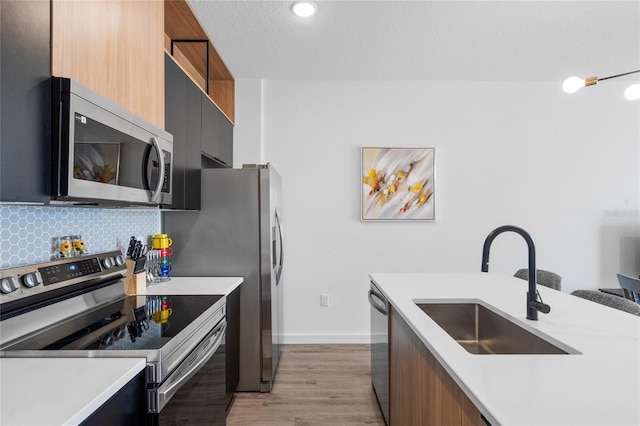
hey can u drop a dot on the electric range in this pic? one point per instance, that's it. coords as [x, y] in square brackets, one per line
[77, 307]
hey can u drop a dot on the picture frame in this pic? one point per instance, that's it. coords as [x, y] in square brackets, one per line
[397, 184]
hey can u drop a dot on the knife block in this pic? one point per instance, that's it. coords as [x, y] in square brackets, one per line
[134, 283]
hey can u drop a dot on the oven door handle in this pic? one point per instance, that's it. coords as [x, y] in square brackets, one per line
[159, 397]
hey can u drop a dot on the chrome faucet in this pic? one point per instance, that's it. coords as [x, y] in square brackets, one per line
[533, 304]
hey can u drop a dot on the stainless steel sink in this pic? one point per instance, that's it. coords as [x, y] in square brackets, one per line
[482, 331]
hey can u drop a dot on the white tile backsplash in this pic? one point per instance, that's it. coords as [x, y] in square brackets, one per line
[28, 234]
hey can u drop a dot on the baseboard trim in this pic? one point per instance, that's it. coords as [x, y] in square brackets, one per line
[293, 339]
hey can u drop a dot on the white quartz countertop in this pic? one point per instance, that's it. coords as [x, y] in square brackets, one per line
[599, 384]
[60, 391]
[196, 285]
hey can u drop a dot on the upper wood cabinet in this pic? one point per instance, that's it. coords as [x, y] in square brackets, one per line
[115, 47]
[190, 47]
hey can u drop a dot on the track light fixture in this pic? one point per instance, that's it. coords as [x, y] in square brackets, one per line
[573, 84]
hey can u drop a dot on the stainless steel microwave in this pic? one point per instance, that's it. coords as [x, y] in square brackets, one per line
[104, 154]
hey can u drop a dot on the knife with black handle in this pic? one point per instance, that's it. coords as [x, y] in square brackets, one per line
[137, 249]
[132, 244]
[141, 262]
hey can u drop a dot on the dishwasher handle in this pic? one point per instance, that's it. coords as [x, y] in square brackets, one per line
[159, 397]
[383, 306]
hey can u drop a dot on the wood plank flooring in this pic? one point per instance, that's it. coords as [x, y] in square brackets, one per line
[316, 385]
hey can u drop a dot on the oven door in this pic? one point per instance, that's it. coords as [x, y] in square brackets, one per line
[106, 154]
[195, 393]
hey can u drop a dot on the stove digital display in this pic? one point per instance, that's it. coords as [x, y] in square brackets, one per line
[58, 273]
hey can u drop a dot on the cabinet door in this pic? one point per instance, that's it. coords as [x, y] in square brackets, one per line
[232, 343]
[217, 132]
[175, 122]
[193, 150]
[182, 120]
[421, 390]
[126, 407]
[226, 147]
[114, 47]
[25, 110]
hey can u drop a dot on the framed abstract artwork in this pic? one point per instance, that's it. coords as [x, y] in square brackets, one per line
[398, 184]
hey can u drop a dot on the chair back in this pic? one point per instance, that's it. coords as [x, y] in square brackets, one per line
[545, 278]
[630, 287]
[610, 300]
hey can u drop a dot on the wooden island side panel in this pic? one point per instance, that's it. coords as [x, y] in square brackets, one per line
[421, 390]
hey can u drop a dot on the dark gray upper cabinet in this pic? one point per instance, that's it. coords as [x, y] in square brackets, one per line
[25, 105]
[183, 121]
[217, 134]
[202, 135]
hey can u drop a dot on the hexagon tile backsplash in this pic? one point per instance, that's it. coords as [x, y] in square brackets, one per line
[29, 234]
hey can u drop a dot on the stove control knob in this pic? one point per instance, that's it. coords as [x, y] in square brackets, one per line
[9, 284]
[107, 262]
[119, 260]
[32, 279]
[107, 340]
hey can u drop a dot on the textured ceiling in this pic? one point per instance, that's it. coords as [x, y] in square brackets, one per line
[424, 40]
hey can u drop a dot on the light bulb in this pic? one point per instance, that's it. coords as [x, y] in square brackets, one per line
[633, 92]
[304, 9]
[572, 84]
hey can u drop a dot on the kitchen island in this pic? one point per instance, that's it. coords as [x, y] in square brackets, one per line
[596, 383]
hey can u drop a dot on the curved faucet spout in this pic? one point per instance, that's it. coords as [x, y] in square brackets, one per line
[533, 305]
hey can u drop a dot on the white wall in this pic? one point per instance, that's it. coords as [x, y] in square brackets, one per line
[565, 168]
[247, 133]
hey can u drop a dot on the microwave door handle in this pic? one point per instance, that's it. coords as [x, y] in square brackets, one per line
[156, 193]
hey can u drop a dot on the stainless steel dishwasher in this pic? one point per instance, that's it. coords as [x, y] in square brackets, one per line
[380, 348]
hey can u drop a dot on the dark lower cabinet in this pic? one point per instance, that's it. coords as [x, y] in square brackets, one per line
[25, 104]
[232, 344]
[127, 407]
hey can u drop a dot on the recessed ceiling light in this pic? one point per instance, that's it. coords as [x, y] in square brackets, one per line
[304, 9]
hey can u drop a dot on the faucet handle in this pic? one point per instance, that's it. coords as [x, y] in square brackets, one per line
[540, 306]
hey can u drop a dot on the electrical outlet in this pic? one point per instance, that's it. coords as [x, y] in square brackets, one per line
[324, 300]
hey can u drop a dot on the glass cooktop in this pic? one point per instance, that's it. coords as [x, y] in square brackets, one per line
[132, 323]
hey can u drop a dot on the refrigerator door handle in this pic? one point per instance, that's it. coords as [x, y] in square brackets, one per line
[281, 260]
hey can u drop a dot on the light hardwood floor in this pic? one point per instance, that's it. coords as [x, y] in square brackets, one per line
[315, 385]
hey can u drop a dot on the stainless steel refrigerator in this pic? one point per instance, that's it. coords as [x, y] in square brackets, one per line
[238, 232]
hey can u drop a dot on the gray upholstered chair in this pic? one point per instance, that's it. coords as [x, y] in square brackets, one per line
[545, 278]
[610, 300]
[630, 287]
